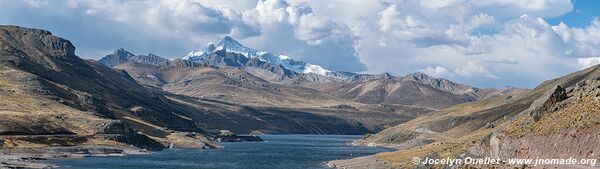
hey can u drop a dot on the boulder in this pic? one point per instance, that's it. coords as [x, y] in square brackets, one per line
[547, 103]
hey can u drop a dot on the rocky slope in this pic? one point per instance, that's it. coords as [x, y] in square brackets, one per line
[49, 96]
[555, 120]
[413, 89]
[393, 90]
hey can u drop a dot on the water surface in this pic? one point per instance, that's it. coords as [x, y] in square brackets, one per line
[277, 151]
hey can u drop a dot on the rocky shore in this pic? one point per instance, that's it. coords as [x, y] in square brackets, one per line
[34, 157]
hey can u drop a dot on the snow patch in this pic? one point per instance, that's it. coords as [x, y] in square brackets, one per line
[310, 68]
[284, 57]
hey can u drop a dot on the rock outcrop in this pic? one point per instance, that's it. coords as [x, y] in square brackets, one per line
[547, 103]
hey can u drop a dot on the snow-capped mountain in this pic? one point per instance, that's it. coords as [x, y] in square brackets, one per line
[229, 44]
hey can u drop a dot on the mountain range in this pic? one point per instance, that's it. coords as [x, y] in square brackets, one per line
[243, 102]
[230, 45]
[50, 96]
[416, 89]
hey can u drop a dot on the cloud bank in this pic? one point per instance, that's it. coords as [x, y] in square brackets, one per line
[491, 43]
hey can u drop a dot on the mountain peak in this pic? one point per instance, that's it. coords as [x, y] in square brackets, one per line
[228, 41]
[123, 53]
[386, 75]
[120, 50]
[419, 76]
[121, 56]
[228, 38]
[58, 47]
[231, 45]
[210, 47]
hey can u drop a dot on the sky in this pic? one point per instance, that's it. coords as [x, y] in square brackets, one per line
[484, 43]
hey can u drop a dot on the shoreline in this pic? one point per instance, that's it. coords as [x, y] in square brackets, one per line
[34, 157]
[370, 161]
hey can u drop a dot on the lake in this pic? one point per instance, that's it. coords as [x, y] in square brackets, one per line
[277, 151]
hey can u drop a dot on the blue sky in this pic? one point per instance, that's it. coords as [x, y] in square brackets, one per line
[491, 43]
[584, 11]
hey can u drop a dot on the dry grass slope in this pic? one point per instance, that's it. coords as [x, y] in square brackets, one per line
[539, 123]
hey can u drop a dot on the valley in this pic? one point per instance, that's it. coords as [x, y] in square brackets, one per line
[134, 103]
[299, 84]
[51, 97]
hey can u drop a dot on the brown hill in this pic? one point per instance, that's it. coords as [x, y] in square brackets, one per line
[49, 92]
[227, 84]
[554, 120]
[390, 90]
[414, 89]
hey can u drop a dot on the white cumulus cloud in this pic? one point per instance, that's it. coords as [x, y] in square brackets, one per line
[490, 43]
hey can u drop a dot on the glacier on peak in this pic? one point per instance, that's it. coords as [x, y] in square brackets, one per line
[231, 45]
